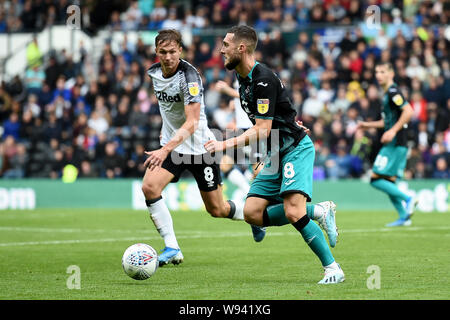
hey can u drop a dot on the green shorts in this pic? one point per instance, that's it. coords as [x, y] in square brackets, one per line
[293, 173]
[390, 161]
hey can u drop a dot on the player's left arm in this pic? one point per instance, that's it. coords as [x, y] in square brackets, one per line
[265, 96]
[407, 112]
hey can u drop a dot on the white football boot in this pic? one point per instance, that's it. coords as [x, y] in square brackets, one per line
[326, 219]
[333, 275]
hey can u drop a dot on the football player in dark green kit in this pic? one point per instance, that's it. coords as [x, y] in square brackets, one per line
[281, 190]
[391, 159]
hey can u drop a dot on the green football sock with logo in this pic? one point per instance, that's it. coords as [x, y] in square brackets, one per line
[315, 239]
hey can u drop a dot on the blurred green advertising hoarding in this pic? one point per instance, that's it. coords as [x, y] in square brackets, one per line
[28, 194]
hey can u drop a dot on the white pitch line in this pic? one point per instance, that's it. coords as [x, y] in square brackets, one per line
[64, 230]
[49, 242]
[79, 230]
[50, 230]
[31, 243]
[202, 234]
[394, 229]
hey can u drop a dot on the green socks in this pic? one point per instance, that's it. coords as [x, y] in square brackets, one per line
[274, 215]
[315, 239]
[394, 194]
[398, 205]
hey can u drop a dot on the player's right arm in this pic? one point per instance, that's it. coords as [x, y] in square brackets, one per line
[260, 130]
[265, 95]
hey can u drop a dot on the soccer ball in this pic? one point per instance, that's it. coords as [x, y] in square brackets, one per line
[140, 261]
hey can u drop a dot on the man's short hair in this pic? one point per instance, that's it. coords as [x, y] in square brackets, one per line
[387, 64]
[246, 33]
[168, 35]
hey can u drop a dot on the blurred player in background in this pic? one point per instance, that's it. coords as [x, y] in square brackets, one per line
[279, 193]
[391, 159]
[179, 90]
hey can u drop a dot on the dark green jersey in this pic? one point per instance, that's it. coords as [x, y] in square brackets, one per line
[393, 103]
[263, 96]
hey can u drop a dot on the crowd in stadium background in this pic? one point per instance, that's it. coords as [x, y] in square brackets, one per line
[53, 114]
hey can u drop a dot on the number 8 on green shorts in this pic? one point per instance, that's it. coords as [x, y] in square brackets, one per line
[294, 174]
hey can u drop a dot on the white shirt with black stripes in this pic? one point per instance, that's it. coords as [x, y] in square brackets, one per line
[173, 94]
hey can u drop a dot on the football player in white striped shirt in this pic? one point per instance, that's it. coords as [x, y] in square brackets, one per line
[179, 90]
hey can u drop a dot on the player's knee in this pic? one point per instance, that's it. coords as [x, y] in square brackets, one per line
[150, 190]
[294, 211]
[294, 206]
[252, 214]
[294, 215]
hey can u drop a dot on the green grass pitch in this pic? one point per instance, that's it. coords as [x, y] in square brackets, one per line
[221, 259]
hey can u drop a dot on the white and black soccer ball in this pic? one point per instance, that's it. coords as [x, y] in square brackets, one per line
[140, 261]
